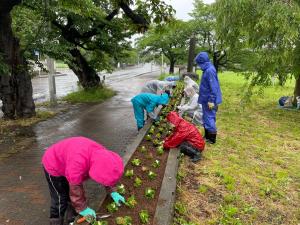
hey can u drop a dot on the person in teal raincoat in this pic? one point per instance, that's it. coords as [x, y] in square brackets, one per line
[148, 102]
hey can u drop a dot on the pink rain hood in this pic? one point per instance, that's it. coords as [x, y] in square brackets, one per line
[79, 158]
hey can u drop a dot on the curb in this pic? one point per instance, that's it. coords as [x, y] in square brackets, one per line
[165, 206]
[166, 199]
[133, 146]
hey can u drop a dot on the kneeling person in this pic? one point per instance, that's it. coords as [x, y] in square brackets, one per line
[185, 136]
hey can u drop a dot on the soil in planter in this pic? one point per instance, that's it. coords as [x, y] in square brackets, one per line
[147, 159]
[143, 203]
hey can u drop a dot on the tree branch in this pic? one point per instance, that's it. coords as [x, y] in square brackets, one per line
[94, 31]
[136, 19]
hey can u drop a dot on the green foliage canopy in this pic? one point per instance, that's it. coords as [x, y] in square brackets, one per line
[266, 31]
[99, 29]
[171, 40]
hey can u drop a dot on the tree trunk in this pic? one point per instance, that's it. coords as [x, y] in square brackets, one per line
[219, 59]
[86, 74]
[191, 54]
[216, 60]
[172, 66]
[282, 79]
[15, 82]
[297, 89]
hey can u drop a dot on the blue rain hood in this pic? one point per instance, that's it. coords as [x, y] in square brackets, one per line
[202, 60]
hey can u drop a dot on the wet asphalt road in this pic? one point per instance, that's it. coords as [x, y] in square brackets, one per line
[66, 81]
[24, 196]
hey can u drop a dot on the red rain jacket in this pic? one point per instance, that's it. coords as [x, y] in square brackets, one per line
[183, 131]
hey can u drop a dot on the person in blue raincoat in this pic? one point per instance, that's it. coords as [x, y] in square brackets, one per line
[210, 95]
[148, 102]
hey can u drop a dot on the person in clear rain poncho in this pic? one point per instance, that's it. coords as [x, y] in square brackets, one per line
[157, 87]
[192, 108]
[189, 82]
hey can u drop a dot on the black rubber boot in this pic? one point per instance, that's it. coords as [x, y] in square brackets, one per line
[194, 154]
[197, 156]
[184, 150]
[56, 221]
[211, 138]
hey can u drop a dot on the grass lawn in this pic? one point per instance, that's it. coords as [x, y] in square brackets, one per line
[61, 65]
[252, 174]
[93, 95]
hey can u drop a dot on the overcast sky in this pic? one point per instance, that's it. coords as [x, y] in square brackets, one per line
[183, 7]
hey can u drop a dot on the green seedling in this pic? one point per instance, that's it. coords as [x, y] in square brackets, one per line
[143, 149]
[136, 162]
[151, 175]
[156, 142]
[144, 216]
[121, 189]
[158, 135]
[149, 193]
[151, 131]
[160, 150]
[148, 137]
[131, 202]
[112, 207]
[126, 220]
[161, 129]
[129, 173]
[164, 125]
[137, 182]
[156, 164]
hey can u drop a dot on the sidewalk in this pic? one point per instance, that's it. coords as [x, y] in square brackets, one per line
[24, 197]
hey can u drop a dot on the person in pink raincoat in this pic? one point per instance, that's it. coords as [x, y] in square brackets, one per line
[67, 164]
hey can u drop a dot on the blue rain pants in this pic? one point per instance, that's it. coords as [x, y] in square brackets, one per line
[138, 113]
[209, 118]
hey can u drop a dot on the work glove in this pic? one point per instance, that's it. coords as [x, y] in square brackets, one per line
[88, 212]
[152, 115]
[211, 105]
[117, 198]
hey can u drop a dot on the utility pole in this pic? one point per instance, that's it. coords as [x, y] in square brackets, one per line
[50, 66]
[162, 64]
[51, 81]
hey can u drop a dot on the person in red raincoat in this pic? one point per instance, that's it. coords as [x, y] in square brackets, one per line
[185, 136]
